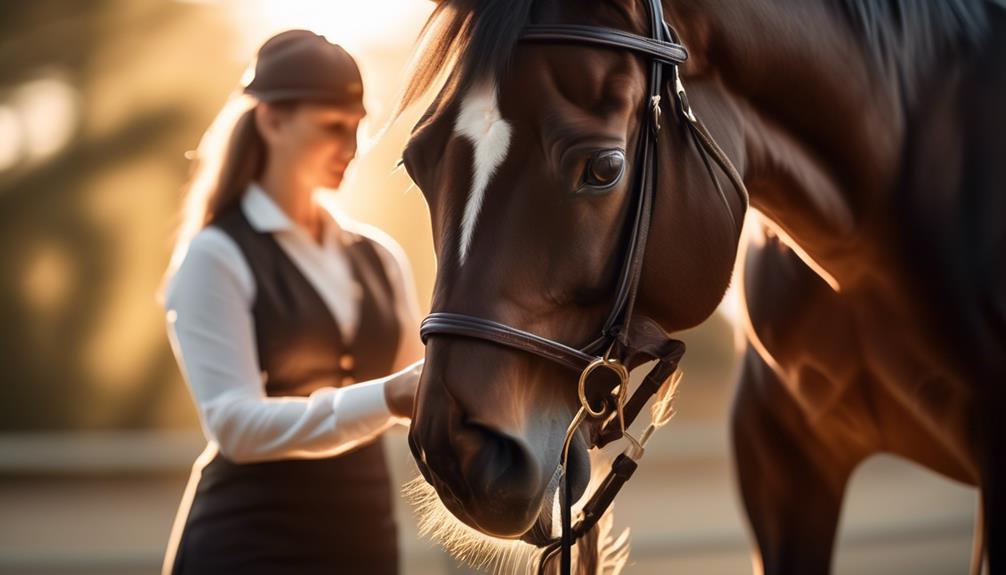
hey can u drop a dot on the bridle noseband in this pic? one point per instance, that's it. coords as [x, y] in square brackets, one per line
[625, 340]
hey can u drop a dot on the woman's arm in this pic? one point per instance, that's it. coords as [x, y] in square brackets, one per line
[401, 394]
[213, 336]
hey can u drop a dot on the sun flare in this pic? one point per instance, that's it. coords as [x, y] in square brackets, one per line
[356, 25]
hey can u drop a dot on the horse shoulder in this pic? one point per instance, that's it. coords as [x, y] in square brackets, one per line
[799, 326]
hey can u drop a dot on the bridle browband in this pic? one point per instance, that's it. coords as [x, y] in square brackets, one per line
[622, 344]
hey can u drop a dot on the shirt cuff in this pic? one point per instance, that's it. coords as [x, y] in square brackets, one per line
[361, 409]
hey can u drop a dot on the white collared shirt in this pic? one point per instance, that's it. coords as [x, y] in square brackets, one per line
[212, 331]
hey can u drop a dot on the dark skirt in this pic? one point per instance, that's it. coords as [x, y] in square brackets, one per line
[306, 516]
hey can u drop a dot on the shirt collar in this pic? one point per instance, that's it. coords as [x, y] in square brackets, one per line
[262, 212]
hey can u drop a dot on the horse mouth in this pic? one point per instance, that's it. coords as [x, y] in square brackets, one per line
[443, 518]
[445, 521]
[543, 528]
[421, 491]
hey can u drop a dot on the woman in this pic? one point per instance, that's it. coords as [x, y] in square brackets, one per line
[286, 323]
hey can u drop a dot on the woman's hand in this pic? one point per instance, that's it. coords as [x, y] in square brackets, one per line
[400, 390]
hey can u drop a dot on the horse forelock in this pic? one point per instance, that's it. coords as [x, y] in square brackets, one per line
[465, 43]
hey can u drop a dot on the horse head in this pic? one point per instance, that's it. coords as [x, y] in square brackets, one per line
[530, 163]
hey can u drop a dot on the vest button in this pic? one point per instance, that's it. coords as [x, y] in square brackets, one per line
[346, 362]
[347, 381]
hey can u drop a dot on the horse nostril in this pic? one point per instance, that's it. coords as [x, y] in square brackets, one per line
[497, 466]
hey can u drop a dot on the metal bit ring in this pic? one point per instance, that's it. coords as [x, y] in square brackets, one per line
[623, 383]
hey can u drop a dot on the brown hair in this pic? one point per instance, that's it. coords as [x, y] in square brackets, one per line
[243, 160]
[231, 154]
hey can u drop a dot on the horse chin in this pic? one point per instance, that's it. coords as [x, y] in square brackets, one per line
[448, 519]
[442, 524]
[540, 535]
[469, 545]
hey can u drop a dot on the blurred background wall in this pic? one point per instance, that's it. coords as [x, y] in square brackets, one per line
[99, 101]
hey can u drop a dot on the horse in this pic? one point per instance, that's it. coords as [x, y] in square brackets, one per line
[869, 135]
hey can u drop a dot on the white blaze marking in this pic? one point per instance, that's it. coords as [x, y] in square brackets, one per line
[479, 120]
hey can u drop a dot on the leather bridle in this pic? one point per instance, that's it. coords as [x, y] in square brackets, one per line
[625, 340]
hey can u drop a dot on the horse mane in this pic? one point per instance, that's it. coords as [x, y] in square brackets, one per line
[907, 38]
[468, 41]
[465, 42]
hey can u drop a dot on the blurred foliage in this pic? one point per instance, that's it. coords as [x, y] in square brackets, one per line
[84, 229]
[107, 95]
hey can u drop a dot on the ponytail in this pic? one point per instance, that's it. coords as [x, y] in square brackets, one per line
[230, 156]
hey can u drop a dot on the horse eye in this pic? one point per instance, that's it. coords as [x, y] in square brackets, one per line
[603, 170]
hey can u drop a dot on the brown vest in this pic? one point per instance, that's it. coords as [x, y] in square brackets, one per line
[309, 516]
[300, 346]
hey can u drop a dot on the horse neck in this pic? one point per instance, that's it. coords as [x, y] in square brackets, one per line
[821, 133]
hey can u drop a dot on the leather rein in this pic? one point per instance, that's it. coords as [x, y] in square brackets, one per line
[626, 340]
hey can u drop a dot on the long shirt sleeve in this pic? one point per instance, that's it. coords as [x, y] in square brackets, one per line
[212, 332]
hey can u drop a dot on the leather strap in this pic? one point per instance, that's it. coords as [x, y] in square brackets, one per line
[646, 341]
[442, 323]
[658, 50]
[713, 150]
